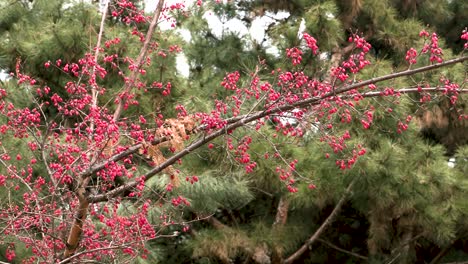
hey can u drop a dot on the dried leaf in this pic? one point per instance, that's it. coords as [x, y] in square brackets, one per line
[177, 130]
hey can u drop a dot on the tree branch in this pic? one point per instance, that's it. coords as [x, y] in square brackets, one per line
[340, 249]
[409, 90]
[236, 122]
[120, 156]
[322, 228]
[76, 229]
[140, 59]
[67, 260]
[94, 92]
[281, 218]
[316, 100]
[442, 253]
[398, 75]
[216, 223]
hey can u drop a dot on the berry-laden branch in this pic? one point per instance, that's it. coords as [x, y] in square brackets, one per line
[140, 59]
[81, 212]
[240, 121]
[314, 100]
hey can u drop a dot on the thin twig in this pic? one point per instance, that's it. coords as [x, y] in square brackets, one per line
[67, 260]
[140, 59]
[322, 228]
[96, 52]
[340, 249]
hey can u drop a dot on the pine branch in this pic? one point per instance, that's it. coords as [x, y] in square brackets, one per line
[322, 228]
[404, 247]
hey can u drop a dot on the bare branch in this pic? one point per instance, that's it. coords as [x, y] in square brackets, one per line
[322, 228]
[120, 156]
[340, 249]
[67, 260]
[409, 90]
[141, 58]
[96, 52]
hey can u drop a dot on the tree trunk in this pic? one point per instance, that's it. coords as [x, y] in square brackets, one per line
[407, 254]
[280, 220]
[79, 218]
[281, 212]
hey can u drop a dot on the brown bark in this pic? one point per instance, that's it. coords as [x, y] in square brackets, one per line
[280, 220]
[281, 212]
[77, 227]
